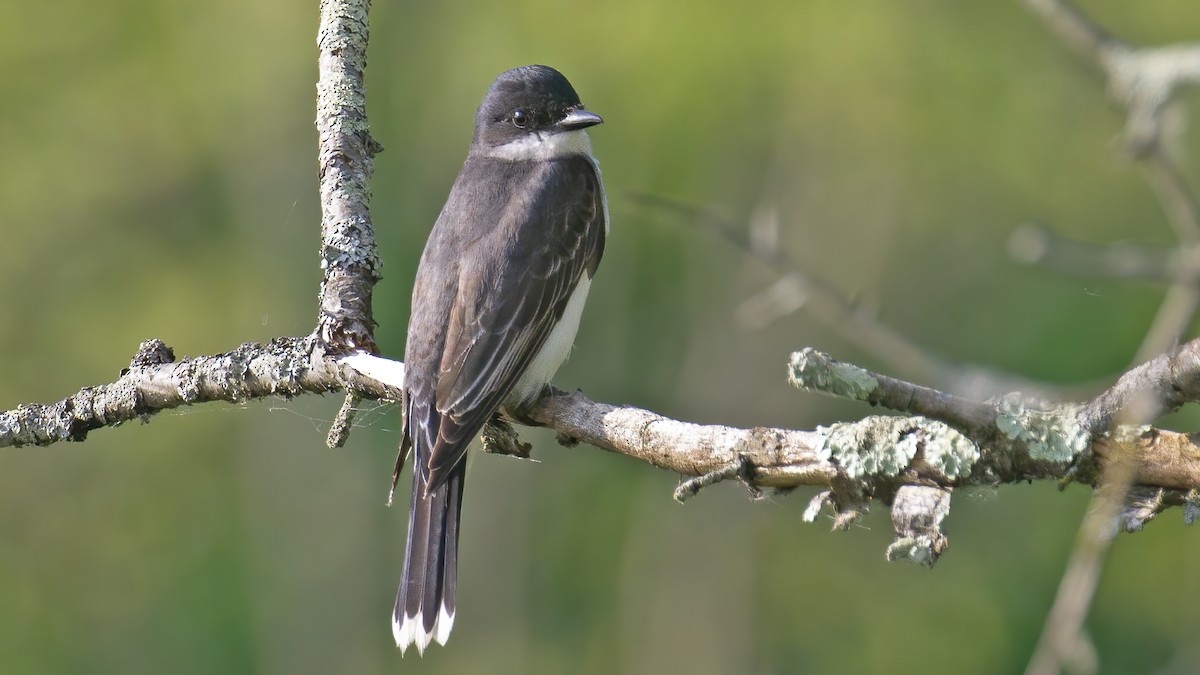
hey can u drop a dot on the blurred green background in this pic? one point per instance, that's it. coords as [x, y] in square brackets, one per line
[159, 180]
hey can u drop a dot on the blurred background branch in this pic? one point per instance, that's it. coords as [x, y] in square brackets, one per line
[1143, 81]
[798, 289]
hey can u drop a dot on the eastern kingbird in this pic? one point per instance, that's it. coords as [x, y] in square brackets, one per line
[495, 307]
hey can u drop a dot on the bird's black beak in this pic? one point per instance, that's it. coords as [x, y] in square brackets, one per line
[579, 119]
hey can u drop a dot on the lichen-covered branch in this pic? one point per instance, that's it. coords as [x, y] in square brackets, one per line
[942, 442]
[349, 260]
[155, 381]
[816, 371]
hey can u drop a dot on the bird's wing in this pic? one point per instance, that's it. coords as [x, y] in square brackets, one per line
[512, 289]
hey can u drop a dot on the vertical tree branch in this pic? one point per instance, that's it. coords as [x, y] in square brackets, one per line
[348, 252]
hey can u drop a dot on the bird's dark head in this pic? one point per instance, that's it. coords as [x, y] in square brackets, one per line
[532, 112]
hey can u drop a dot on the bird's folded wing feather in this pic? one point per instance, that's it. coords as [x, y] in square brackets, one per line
[508, 304]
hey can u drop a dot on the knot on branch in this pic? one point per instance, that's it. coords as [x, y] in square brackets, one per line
[152, 352]
[917, 514]
[345, 324]
[500, 438]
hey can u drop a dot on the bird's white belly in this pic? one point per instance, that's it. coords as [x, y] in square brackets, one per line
[554, 351]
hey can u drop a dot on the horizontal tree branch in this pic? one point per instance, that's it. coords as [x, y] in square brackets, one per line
[1036, 244]
[1014, 439]
[942, 442]
[155, 381]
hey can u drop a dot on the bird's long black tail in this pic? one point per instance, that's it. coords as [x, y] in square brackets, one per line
[425, 602]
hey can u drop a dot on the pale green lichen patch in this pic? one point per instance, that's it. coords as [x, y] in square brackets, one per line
[873, 446]
[922, 550]
[947, 451]
[884, 446]
[812, 370]
[1052, 434]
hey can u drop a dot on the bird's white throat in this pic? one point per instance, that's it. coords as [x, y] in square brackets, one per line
[541, 145]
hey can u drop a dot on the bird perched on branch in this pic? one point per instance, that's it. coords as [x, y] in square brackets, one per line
[495, 308]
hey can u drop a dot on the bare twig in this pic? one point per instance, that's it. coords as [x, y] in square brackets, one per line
[1176, 196]
[339, 431]
[1036, 244]
[1074, 28]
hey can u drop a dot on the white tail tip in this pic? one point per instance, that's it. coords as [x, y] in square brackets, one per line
[409, 630]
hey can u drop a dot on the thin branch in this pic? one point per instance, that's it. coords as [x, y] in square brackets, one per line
[816, 371]
[1036, 244]
[780, 457]
[1074, 28]
[1176, 196]
[1062, 642]
[1182, 299]
[345, 149]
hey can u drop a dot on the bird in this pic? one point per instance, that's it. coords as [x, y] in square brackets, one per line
[496, 305]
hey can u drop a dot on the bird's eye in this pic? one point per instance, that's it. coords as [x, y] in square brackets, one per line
[520, 119]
